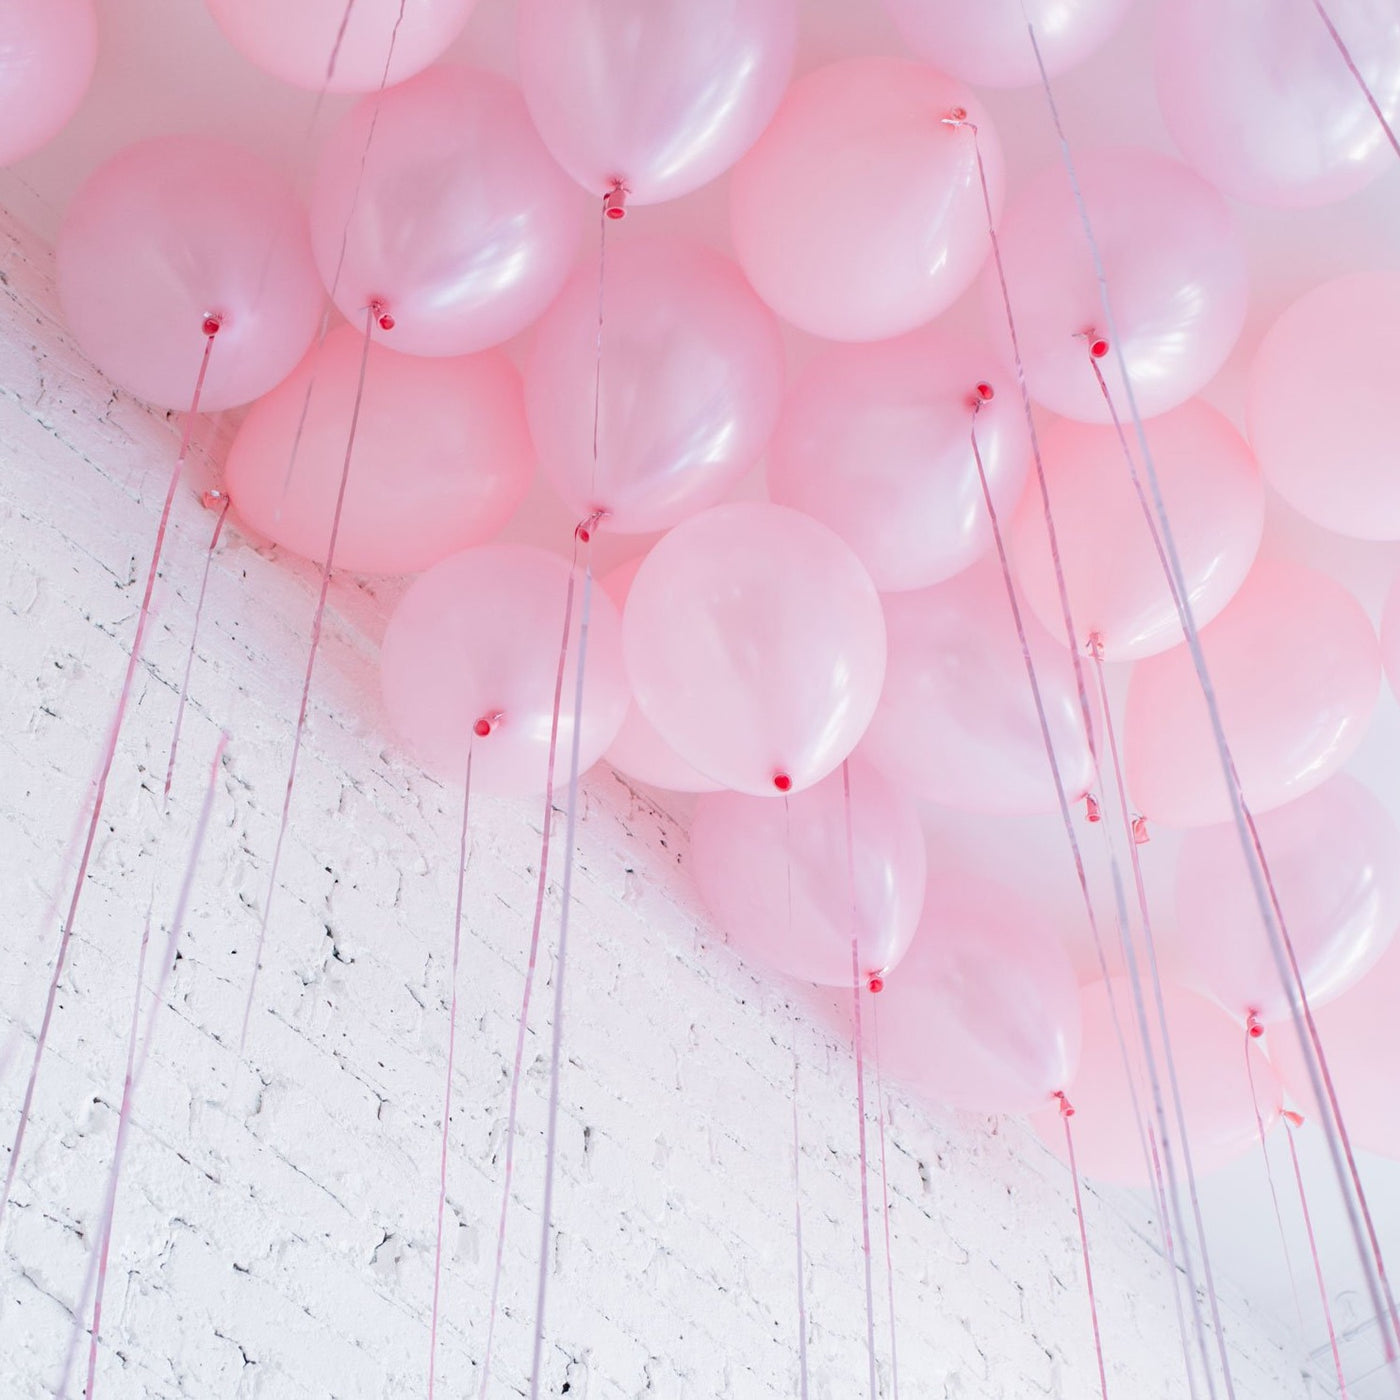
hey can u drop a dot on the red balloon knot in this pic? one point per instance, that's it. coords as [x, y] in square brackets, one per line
[1066, 1108]
[876, 983]
[782, 782]
[483, 728]
[487, 724]
[956, 116]
[382, 315]
[583, 532]
[615, 201]
[1141, 835]
[1290, 1116]
[1098, 347]
[1254, 1025]
[210, 500]
[212, 321]
[1091, 807]
[985, 392]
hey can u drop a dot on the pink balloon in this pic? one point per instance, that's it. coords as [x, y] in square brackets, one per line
[477, 637]
[1296, 671]
[1176, 271]
[987, 44]
[453, 217]
[442, 456]
[639, 751]
[1208, 1050]
[1323, 412]
[983, 1013]
[756, 646]
[1390, 637]
[858, 215]
[1258, 99]
[297, 42]
[48, 49]
[956, 721]
[662, 95]
[1360, 1036]
[168, 233]
[776, 875]
[1335, 859]
[689, 383]
[1117, 586]
[875, 441]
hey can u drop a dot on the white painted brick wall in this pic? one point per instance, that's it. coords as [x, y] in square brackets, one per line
[275, 1227]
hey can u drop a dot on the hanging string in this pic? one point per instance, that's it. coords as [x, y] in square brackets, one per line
[1355, 72]
[135, 1068]
[317, 621]
[856, 988]
[585, 532]
[885, 1196]
[451, 1061]
[210, 330]
[1253, 1030]
[1281, 948]
[1131, 829]
[1066, 1113]
[982, 395]
[1290, 1121]
[796, 1138]
[219, 498]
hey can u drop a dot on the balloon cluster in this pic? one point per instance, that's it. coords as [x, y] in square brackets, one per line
[816, 663]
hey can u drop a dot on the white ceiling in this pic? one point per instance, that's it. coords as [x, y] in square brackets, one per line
[165, 67]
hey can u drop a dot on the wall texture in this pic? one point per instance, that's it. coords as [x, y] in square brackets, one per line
[274, 1234]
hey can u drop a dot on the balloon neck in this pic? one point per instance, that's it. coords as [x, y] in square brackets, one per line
[1254, 1025]
[783, 782]
[1293, 1118]
[212, 321]
[956, 116]
[213, 499]
[1091, 808]
[487, 724]
[1066, 1108]
[583, 532]
[876, 983]
[1096, 645]
[615, 201]
[1098, 344]
[383, 317]
[1141, 835]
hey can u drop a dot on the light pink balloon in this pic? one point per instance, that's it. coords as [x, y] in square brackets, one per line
[688, 387]
[983, 1013]
[169, 232]
[661, 94]
[1258, 99]
[776, 875]
[297, 42]
[1390, 637]
[987, 44]
[756, 646]
[639, 751]
[453, 216]
[1334, 855]
[858, 214]
[956, 722]
[1176, 270]
[1360, 1035]
[48, 49]
[1296, 670]
[875, 441]
[442, 456]
[1208, 1050]
[1117, 585]
[478, 636]
[1324, 416]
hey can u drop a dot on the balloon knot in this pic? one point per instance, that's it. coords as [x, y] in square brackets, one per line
[615, 201]
[1095, 645]
[1290, 1116]
[1098, 347]
[487, 724]
[956, 116]
[212, 321]
[782, 781]
[1254, 1025]
[382, 315]
[1141, 835]
[1066, 1108]
[210, 499]
[585, 528]
[985, 391]
[1091, 807]
[876, 983]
